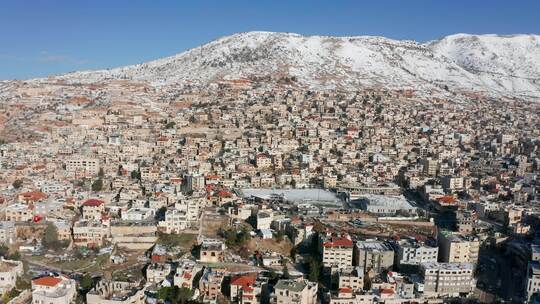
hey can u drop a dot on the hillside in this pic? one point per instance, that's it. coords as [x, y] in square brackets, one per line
[496, 65]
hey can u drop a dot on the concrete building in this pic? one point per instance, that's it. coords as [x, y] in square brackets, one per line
[211, 283]
[337, 252]
[412, 252]
[82, 164]
[116, 292]
[9, 272]
[212, 252]
[447, 279]
[89, 233]
[247, 289]
[374, 255]
[157, 272]
[187, 274]
[351, 277]
[93, 209]
[456, 248]
[56, 289]
[8, 232]
[300, 292]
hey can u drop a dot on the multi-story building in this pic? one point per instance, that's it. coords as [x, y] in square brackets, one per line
[212, 251]
[157, 272]
[138, 214]
[93, 209]
[337, 252]
[413, 252]
[448, 279]
[9, 272]
[211, 283]
[8, 232]
[89, 233]
[117, 292]
[533, 279]
[374, 255]
[246, 289]
[300, 292]
[83, 164]
[263, 161]
[430, 166]
[465, 220]
[187, 274]
[456, 248]
[18, 212]
[533, 273]
[56, 289]
[351, 277]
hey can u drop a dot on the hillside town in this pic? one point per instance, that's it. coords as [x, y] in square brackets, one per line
[239, 192]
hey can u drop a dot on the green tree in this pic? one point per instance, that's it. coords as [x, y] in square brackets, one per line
[16, 256]
[314, 267]
[50, 237]
[97, 185]
[22, 284]
[87, 283]
[17, 184]
[4, 250]
[135, 174]
[286, 274]
[101, 173]
[175, 295]
[183, 295]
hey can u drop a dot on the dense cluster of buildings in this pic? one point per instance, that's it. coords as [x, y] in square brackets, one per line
[424, 186]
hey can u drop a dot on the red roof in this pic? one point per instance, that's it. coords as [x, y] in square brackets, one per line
[345, 290]
[47, 281]
[338, 242]
[245, 280]
[224, 193]
[33, 196]
[93, 203]
[447, 199]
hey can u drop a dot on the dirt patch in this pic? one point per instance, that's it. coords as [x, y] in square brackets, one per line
[284, 247]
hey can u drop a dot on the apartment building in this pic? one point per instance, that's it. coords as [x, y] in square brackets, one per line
[18, 212]
[410, 251]
[300, 292]
[352, 278]
[374, 255]
[8, 232]
[337, 252]
[246, 289]
[447, 279]
[9, 272]
[457, 248]
[85, 165]
[211, 283]
[93, 209]
[89, 233]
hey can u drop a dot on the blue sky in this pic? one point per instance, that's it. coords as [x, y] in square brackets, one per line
[39, 38]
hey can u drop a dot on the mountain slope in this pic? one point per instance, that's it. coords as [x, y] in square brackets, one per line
[498, 65]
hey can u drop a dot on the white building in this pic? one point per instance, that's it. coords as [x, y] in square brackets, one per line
[9, 272]
[53, 290]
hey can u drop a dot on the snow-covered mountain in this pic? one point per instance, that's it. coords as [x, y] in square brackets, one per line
[497, 65]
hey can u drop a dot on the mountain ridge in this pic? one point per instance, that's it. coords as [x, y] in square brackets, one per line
[499, 65]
